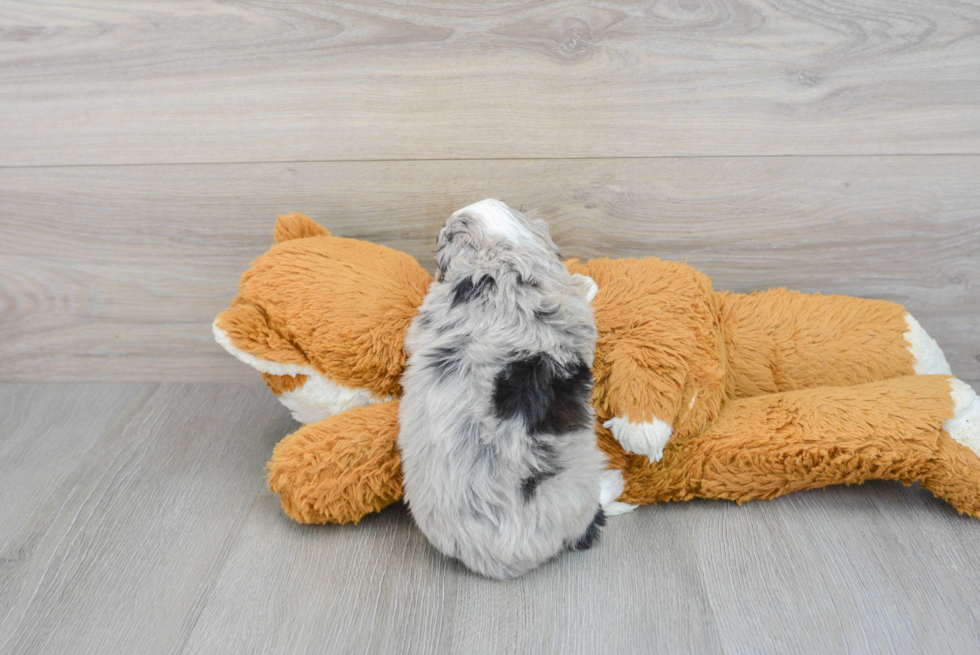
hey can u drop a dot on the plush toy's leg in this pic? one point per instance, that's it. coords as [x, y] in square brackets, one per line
[782, 340]
[914, 428]
[341, 468]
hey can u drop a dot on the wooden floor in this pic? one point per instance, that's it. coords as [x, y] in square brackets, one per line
[146, 146]
[134, 519]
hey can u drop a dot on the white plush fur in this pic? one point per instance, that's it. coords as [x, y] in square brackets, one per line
[321, 398]
[641, 438]
[586, 285]
[964, 427]
[318, 398]
[610, 488]
[929, 358]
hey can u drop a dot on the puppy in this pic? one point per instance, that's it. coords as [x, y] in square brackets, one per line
[499, 456]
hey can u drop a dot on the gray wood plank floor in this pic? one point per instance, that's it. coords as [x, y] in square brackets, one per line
[134, 519]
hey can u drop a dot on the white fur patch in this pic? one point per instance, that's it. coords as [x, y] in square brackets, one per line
[318, 398]
[964, 427]
[929, 358]
[321, 398]
[497, 218]
[641, 438]
[610, 488]
[586, 285]
[617, 508]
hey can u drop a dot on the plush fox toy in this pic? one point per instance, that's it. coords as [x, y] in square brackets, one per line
[698, 393]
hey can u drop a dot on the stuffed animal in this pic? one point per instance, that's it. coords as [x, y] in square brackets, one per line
[698, 393]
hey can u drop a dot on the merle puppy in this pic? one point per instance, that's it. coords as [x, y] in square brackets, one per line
[499, 454]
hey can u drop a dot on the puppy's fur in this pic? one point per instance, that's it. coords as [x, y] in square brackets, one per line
[499, 454]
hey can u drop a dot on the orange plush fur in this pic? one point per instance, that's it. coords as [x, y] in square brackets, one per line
[766, 393]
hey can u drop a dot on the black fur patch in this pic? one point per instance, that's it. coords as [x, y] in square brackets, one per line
[551, 399]
[466, 289]
[591, 535]
[446, 360]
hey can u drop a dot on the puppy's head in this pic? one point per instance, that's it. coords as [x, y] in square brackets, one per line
[490, 225]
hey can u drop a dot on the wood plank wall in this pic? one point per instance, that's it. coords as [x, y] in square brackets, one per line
[146, 147]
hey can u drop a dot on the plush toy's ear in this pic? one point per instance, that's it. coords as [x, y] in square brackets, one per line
[297, 226]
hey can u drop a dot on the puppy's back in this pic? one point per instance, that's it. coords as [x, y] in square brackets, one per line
[499, 453]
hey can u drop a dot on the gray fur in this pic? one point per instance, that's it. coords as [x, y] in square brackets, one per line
[466, 470]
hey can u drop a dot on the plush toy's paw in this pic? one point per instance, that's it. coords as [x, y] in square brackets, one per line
[929, 358]
[641, 438]
[610, 488]
[585, 285]
[964, 427]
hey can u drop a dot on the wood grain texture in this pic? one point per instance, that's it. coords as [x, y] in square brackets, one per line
[115, 273]
[120, 553]
[379, 587]
[45, 431]
[161, 539]
[205, 81]
[844, 570]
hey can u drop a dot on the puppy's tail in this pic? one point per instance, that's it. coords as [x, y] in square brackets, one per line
[591, 536]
